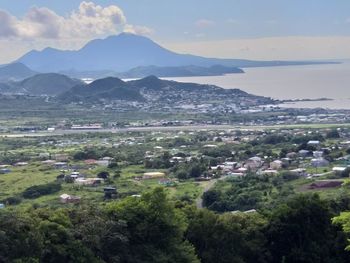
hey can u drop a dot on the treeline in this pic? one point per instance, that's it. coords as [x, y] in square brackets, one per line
[154, 229]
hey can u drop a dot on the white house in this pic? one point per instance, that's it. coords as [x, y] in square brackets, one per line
[276, 165]
[317, 154]
[313, 142]
[253, 163]
[319, 162]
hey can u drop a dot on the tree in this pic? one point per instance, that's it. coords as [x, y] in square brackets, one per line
[332, 134]
[301, 231]
[343, 220]
[156, 228]
[103, 175]
[19, 240]
[227, 237]
[39, 190]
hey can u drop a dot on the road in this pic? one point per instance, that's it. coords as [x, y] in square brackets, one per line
[167, 128]
[210, 184]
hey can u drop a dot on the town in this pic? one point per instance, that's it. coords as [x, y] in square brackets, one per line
[191, 164]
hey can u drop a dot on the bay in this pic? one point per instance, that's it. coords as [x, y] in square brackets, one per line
[290, 82]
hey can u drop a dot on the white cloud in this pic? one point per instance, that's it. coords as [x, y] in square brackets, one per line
[88, 21]
[139, 30]
[203, 23]
[7, 28]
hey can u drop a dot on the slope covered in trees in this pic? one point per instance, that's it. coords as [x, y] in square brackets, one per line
[154, 229]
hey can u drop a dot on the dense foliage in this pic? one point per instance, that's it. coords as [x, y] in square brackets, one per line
[154, 229]
[39, 190]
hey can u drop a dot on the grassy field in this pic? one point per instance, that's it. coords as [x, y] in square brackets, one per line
[20, 178]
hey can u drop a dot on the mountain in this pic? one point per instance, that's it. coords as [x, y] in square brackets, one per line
[15, 71]
[154, 92]
[48, 84]
[124, 52]
[108, 89]
[5, 87]
[41, 84]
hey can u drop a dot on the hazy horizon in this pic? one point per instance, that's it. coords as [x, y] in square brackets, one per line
[271, 30]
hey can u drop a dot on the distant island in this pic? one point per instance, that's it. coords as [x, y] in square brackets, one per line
[135, 54]
[144, 71]
[301, 100]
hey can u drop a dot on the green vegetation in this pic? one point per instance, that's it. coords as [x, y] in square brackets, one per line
[152, 228]
[138, 197]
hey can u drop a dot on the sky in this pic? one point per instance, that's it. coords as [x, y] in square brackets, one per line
[253, 29]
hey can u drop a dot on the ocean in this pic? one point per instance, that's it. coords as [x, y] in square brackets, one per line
[290, 82]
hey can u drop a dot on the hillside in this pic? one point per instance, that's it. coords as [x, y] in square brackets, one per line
[108, 89]
[154, 91]
[15, 71]
[50, 84]
[124, 52]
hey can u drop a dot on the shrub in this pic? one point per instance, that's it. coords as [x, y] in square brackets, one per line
[12, 200]
[40, 190]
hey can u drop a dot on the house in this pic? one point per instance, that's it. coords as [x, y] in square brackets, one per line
[269, 172]
[210, 146]
[107, 158]
[303, 153]
[68, 199]
[104, 163]
[88, 181]
[313, 142]
[319, 162]
[276, 165]
[241, 170]
[5, 171]
[317, 154]
[292, 155]
[75, 175]
[299, 172]
[48, 162]
[90, 161]
[61, 157]
[339, 169]
[110, 191]
[177, 159]
[21, 164]
[228, 166]
[61, 165]
[44, 155]
[153, 175]
[253, 163]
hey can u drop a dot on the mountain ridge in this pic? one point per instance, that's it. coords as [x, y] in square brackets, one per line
[125, 51]
[15, 71]
[152, 90]
[50, 84]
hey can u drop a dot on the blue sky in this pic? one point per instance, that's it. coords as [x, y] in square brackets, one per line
[249, 18]
[176, 23]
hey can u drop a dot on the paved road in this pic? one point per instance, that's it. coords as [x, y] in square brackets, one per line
[167, 128]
